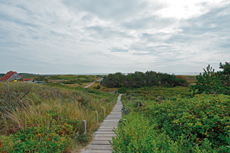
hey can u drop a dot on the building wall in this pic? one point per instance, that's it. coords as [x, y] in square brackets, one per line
[15, 77]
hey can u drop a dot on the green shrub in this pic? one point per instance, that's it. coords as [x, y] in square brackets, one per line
[82, 138]
[153, 93]
[140, 79]
[202, 117]
[97, 87]
[138, 134]
[208, 82]
[225, 74]
[78, 81]
[39, 139]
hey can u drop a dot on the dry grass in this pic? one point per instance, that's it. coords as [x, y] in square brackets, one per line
[78, 85]
[73, 105]
[190, 78]
[103, 88]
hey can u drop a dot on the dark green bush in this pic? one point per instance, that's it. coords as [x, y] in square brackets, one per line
[208, 82]
[138, 134]
[97, 87]
[140, 79]
[202, 117]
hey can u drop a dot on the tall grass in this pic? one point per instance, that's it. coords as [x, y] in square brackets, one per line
[28, 105]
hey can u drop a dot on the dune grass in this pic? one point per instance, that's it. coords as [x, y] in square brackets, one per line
[39, 118]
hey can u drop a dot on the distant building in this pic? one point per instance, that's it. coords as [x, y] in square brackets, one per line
[11, 75]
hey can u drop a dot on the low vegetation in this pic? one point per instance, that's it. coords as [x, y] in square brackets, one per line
[99, 87]
[39, 118]
[178, 119]
[198, 124]
[164, 113]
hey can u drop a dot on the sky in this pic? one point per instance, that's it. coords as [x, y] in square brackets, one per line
[108, 36]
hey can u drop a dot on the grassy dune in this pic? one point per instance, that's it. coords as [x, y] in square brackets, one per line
[39, 118]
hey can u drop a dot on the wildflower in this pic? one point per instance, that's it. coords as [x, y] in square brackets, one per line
[53, 141]
[217, 149]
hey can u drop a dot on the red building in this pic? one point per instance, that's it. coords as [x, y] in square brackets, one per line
[11, 75]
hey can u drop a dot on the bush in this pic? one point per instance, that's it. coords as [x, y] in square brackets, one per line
[138, 134]
[52, 134]
[225, 74]
[39, 139]
[123, 89]
[97, 87]
[153, 93]
[140, 79]
[208, 82]
[199, 118]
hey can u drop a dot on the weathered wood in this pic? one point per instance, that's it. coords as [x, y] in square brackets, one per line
[104, 132]
[84, 125]
[103, 110]
[98, 151]
[96, 116]
[101, 147]
[103, 139]
[100, 142]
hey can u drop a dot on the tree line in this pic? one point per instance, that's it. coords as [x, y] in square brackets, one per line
[140, 79]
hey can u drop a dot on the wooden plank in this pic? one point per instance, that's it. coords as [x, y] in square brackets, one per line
[102, 139]
[100, 143]
[104, 132]
[100, 147]
[97, 151]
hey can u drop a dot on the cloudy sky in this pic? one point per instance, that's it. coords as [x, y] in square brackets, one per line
[107, 36]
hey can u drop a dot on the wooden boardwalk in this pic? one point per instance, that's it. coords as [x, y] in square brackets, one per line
[100, 143]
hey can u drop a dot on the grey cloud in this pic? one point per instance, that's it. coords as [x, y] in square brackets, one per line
[119, 50]
[148, 22]
[108, 9]
[157, 49]
[215, 21]
[159, 36]
[106, 32]
[210, 32]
